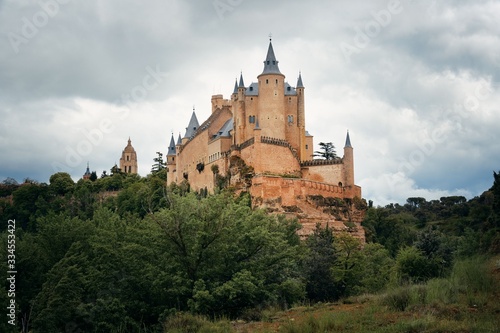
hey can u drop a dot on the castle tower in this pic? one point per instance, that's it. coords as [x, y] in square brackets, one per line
[87, 173]
[128, 161]
[348, 162]
[171, 160]
[301, 121]
[271, 102]
[239, 111]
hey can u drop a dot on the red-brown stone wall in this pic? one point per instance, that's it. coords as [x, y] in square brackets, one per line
[268, 158]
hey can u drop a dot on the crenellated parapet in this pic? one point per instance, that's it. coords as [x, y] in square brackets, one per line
[321, 162]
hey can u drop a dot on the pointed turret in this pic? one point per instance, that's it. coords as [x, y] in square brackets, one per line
[171, 146]
[348, 162]
[271, 64]
[347, 141]
[192, 126]
[179, 140]
[241, 85]
[299, 82]
[235, 90]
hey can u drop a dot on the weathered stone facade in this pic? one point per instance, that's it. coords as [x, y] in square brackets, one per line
[263, 126]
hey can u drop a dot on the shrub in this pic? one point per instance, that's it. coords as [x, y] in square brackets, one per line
[398, 299]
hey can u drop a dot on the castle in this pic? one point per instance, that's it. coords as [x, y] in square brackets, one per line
[257, 141]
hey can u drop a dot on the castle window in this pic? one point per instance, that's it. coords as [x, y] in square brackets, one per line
[307, 146]
[251, 119]
[276, 81]
[267, 81]
[128, 157]
[251, 88]
[290, 119]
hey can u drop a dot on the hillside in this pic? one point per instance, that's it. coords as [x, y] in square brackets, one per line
[126, 254]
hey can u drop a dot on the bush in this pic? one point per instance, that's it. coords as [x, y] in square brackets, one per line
[398, 299]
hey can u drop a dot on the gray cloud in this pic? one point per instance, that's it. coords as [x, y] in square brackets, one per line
[418, 75]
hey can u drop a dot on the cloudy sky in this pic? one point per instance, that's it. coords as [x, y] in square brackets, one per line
[416, 83]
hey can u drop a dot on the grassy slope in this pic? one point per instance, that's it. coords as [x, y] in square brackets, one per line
[468, 301]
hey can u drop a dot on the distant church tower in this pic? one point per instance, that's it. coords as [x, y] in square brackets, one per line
[87, 173]
[128, 161]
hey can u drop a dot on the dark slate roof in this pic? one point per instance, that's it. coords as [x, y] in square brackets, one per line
[308, 134]
[225, 129]
[289, 90]
[299, 82]
[271, 64]
[171, 146]
[192, 126]
[235, 90]
[179, 140]
[253, 89]
[241, 85]
[347, 141]
[87, 172]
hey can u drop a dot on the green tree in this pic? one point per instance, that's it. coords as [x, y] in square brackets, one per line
[327, 151]
[412, 266]
[93, 176]
[61, 183]
[159, 163]
[348, 267]
[317, 265]
[226, 255]
[376, 268]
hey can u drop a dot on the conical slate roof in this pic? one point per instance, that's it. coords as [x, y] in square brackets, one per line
[271, 64]
[192, 126]
[241, 85]
[171, 146]
[299, 82]
[347, 141]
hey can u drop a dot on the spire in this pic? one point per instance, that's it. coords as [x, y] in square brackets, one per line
[235, 91]
[179, 140]
[171, 146]
[299, 81]
[192, 126]
[241, 85]
[271, 64]
[129, 141]
[347, 141]
[87, 173]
